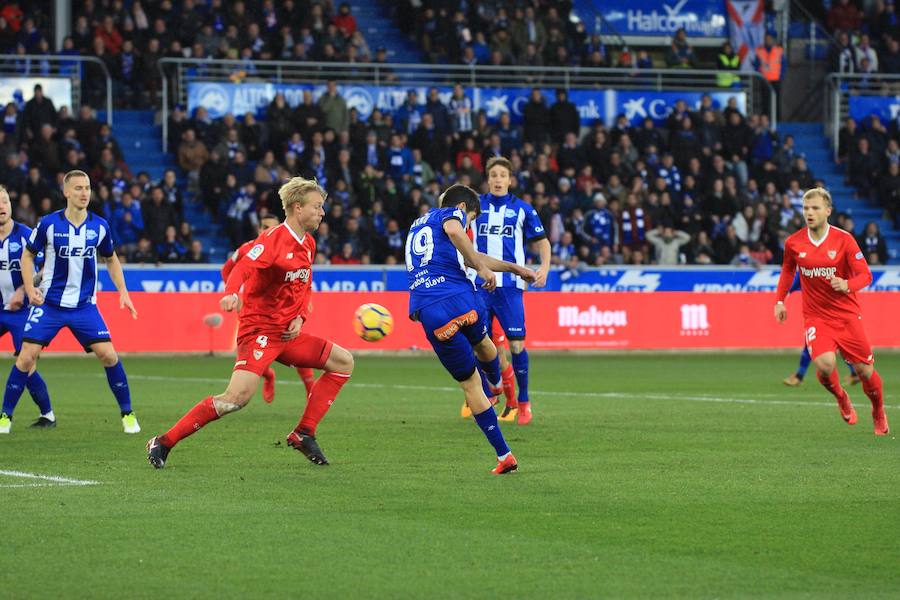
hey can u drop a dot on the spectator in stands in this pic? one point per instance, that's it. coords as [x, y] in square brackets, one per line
[680, 54]
[39, 111]
[864, 169]
[334, 109]
[564, 117]
[170, 249]
[865, 51]
[889, 193]
[192, 155]
[728, 63]
[145, 252]
[873, 244]
[770, 64]
[537, 119]
[196, 254]
[409, 115]
[241, 219]
[667, 243]
[844, 15]
[127, 223]
[158, 215]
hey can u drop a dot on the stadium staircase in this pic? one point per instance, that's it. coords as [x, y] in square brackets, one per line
[141, 141]
[810, 140]
[375, 21]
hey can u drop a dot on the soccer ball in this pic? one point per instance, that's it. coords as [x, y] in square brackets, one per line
[372, 322]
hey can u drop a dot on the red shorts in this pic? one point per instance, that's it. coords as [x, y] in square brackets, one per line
[498, 336]
[848, 337]
[256, 352]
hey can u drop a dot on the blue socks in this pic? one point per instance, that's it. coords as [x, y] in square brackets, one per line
[38, 390]
[491, 429]
[118, 383]
[520, 366]
[15, 385]
[490, 375]
[805, 359]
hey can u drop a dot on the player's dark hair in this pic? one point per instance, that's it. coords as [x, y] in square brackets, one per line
[498, 160]
[457, 193]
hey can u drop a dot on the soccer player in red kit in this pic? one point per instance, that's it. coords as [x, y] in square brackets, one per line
[306, 374]
[276, 275]
[832, 270]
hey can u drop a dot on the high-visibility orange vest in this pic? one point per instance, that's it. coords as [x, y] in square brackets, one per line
[770, 62]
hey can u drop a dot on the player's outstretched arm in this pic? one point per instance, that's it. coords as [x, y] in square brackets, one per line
[458, 237]
[35, 297]
[114, 267]
[497, 265]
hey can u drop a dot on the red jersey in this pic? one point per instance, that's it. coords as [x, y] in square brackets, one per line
[235, 257]
[276, 274]
[836, 255]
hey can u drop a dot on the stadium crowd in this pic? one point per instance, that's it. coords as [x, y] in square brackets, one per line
[710, 185]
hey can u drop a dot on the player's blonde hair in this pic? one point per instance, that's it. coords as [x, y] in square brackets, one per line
[296, 190]
[820, 193]
[74, 173]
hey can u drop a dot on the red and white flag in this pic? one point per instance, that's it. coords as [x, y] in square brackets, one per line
[746, 26]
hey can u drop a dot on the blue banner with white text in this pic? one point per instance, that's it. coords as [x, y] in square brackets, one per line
[652, 18]
[394, 279]
[886, 107]
[592, 105]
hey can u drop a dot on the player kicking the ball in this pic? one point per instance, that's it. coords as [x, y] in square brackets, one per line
[832, 270]
[276, 275]
[268, 392]
[443, 300]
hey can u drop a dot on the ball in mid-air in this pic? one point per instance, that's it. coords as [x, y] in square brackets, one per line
[372, 322]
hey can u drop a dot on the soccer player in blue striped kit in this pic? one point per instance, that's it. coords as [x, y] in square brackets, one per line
[71, 239]
[506, 224]
[442, 298]
[13, 238]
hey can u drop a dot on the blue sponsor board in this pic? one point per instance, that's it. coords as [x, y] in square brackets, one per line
[394, 279]
[886, 107]
[593, 105]
[638, 105]
[652, 18]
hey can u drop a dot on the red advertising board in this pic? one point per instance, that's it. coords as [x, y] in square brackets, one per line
[173, 322]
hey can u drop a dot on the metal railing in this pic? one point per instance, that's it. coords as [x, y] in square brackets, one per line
[178, 72]
[840, 86]
[73, 67]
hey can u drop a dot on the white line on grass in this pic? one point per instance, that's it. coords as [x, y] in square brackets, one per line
[53, 479]
[437, 388]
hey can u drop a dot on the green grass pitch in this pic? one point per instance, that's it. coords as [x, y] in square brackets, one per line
[650, 475]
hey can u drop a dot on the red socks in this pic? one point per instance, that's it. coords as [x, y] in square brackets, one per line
[308, 377]
[323, 392]
[832, 383]
[873, 389]
[509, 386]
[193, 420]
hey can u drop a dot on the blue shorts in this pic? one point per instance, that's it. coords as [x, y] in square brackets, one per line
[453, 326]
[13, 322]
[507, 305]
[85, 323]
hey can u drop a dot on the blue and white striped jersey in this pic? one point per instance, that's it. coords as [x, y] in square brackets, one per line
[505, 225]
[11, 262]
[70, 257]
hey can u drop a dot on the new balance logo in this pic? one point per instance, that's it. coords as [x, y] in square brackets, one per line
[694, 319]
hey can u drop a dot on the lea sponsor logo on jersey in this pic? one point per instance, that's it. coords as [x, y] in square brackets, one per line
[76, 252]
[301, 274]
[826, 272]
[10, 265]
[501, 230]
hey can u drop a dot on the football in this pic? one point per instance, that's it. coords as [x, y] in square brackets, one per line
[372, 322]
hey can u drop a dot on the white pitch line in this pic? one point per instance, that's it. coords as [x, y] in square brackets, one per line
[432, 388]
[56, 480]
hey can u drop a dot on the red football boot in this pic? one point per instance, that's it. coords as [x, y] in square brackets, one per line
[507, 465]
[268, 391]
